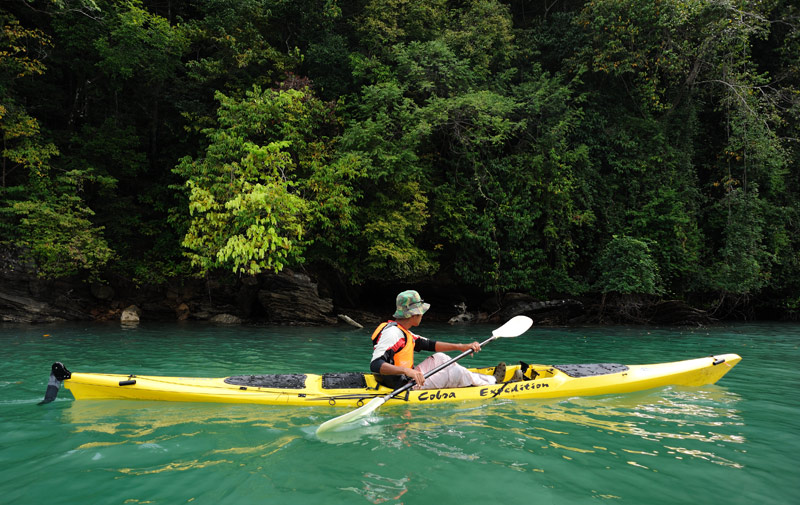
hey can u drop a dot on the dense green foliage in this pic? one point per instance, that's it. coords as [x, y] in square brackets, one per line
[626, 267]
[607, 146]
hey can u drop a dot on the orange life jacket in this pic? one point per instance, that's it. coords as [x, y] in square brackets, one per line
[405, 356]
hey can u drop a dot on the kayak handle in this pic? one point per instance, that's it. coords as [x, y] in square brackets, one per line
[719, 361]
[129, 382]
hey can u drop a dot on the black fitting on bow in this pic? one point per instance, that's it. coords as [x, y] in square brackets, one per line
[58, 373]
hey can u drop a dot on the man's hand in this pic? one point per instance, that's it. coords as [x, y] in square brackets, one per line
[415, 374]
[474, 346]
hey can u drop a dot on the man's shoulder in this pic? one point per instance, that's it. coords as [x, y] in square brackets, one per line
[391, 331]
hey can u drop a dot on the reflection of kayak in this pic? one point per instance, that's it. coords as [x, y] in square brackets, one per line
[353, 389]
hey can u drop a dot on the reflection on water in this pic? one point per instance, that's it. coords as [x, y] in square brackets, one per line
[378, 489]
[174, 467]
[163, 427]
[267, 449]
[673, 422]
[134, 419]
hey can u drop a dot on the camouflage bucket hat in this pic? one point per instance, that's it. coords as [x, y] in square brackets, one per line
[409, 303]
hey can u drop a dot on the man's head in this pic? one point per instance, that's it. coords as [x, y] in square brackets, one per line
[410, 304]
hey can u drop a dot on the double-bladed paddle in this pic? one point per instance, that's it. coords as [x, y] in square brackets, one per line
[515, 327]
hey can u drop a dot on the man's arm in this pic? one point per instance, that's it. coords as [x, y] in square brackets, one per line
[447, 346]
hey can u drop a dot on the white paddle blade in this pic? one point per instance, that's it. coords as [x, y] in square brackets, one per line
[363, 411]
[515, 327]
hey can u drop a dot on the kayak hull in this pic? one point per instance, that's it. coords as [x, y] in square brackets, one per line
[353, 390]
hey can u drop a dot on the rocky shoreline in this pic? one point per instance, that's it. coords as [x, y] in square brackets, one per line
[308, 298]
[295, 298]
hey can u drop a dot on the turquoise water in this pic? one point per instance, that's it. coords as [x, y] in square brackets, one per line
[736, 441]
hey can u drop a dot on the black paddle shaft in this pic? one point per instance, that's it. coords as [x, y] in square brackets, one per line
[439, 368]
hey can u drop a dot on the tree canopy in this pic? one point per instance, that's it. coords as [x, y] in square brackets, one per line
[554, 148]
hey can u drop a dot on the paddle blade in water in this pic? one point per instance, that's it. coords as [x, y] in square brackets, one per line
[341, 421]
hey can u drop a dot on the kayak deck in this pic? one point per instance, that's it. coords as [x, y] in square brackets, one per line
[354, 389]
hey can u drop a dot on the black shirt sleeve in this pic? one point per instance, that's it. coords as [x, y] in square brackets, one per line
[424, 344]
[375, 365]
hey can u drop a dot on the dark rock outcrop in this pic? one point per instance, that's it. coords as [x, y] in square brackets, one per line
[292, 297]
[678, 313]
[559, 311]
[25, 298]
[639, 309]
[21, 309]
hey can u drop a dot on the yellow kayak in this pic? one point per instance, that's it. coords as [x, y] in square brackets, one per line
[355, 389]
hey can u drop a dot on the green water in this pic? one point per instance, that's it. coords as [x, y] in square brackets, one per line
[736, 441]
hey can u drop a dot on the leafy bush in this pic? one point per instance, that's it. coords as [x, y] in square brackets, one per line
[627, 267]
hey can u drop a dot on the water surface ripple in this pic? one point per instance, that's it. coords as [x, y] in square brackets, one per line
[735, 441]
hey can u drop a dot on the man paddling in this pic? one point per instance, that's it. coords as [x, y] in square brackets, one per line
[394, 345]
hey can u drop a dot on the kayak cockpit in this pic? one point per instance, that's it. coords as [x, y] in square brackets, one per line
[347, 380]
